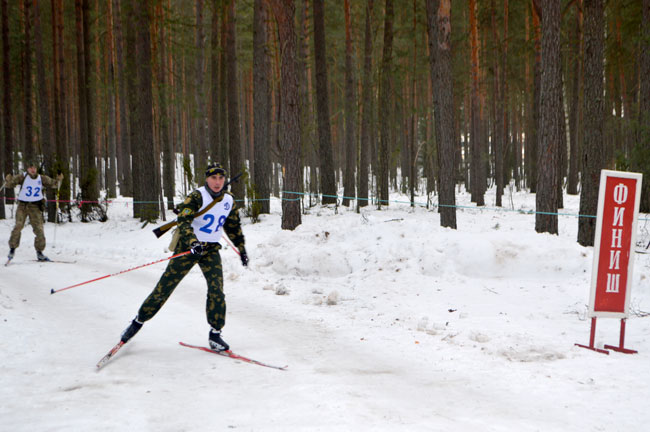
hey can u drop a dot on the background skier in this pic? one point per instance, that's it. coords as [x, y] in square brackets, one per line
[31, 203]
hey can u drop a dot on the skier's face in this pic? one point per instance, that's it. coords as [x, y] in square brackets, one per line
[215, 182]
[31, 170]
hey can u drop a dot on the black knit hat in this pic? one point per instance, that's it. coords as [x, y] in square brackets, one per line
[215, 168]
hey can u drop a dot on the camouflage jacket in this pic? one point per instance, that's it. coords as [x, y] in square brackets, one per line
[192, 205]
[18, 179]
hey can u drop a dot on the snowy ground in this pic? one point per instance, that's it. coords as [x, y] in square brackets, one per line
[387, 322]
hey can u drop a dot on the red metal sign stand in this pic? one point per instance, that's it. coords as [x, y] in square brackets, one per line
[592, 338]
[621, 342]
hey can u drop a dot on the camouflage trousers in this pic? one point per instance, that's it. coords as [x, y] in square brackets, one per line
[33, 211]
[210, 264]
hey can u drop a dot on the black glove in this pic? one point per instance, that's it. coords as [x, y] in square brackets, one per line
[244, 258]
[197, 248]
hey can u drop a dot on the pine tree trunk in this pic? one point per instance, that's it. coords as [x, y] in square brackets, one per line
[234, 133]
[29, 150]
[224, 156]
[290, 113]
[8, 146]
[594, 112]
[144, 142]
[124, 137]
[200, 161]
[366, 104]
[477, 185]
[385, 109]
[213, 124]
[439, 27]
[350, 112]
[574, 114]
[164, 92]
[261, 108]
[325, 152]
[643, 146]
[549, 127]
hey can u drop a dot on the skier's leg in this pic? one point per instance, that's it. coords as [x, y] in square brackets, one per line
[21, 216]
[215, 307]
[174, 273]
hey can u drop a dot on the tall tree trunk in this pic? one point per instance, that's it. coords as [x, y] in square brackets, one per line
[549, 127]
[261, 108]
[111, 157]
[385, 109]
[87, 171]
[224, 156]
[284, 11]
[8, 155]
[61, 162]
[574, 114]
[132, 91]
[200, 155]
[642, 156]
[124, 137]
[476, 144]
[594, 111]
[44, 106]
[325, 152]
[439, 30]
[350, 112]
[144, 142]
[499, 138]
[213, 124]
[531, 148]
[366, 104]
[30, 152]
[164, 92]
[234, 134]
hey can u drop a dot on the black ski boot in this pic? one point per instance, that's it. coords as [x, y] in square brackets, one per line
[131, 330]
[216, 343]
[41, 257]
[12, 252]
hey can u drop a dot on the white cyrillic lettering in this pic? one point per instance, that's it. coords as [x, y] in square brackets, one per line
[618, 216]
[614, 260]
[617, 235]
[613, 281]
[620, 193]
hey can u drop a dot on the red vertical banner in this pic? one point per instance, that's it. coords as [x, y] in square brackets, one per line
[619, 197]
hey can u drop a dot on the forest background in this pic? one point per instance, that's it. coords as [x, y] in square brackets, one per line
[336, 102]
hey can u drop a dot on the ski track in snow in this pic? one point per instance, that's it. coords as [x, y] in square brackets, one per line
[387, 322]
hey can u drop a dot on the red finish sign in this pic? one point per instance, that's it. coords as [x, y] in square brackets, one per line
[618, 210]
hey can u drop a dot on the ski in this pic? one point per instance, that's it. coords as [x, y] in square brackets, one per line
[110, 355]
[234, 356]
[55, 261]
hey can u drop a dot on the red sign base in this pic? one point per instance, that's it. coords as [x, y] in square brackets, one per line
[621, 342]
[592, 338]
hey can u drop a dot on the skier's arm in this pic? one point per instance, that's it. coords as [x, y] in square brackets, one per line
[232, 228]
[13, 180]
[187, 210]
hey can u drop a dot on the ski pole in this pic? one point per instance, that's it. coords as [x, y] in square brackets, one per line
[53, 291]
[56, 212]
[232, 245]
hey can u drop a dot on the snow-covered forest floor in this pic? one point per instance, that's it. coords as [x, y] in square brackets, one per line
[387, 322]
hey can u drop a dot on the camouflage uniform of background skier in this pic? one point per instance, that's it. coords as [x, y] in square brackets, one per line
[31, 203]
[201, 236]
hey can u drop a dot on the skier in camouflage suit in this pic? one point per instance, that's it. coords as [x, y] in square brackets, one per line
[30, 205]
[201, 235]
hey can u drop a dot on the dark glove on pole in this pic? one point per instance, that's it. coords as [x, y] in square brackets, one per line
[244, 258]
